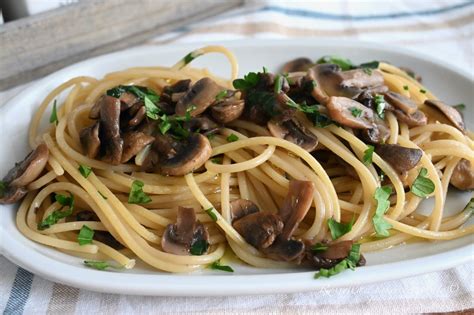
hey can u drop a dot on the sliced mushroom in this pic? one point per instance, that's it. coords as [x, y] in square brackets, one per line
[109, 132]
[286, 250]
[178, 238]
[330, 257]
[127, 100]
[190, 155]
[202, 94]
[463, 175]
[295, 206]
[379, 133]
[359, 79]
[401, 102]
[138, 117]
[201, 124]
[402, 159]
[350, 113]
[227, 110]
[24, 173]
[412, 120]
[291, 130]
[179, 87]
[101, 236]
[241, 208]
[337, 250]
[90, 140]
[95, 109]
[134, 142]
[450, 112]
[259, 229]
[297, 65]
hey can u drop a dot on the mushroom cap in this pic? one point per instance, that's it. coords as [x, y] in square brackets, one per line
[109, 132]
[450, 112]
[13, 195]
[297, 65]
[134, 142]
[378, 134]
[90, 140]
[295, 206]
[463, 175]
[189, 157]
[340, 110]
[227, 110]
[259, 229]
[402, 159]
[202, 94]
[242, 207]
[418, 118]
[292, 131]
[401, 102]
[29, 169]
[339, 250]
[286, 250]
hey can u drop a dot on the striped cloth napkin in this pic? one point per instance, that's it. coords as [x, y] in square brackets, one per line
[441, 28]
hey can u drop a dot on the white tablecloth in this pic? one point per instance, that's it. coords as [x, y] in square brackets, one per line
[443, 29]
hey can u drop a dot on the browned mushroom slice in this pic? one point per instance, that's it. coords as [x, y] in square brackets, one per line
[359, 79]
[337, 250]
[90, 140]
[286, 250]
[330, 257]
[95, 109]
[22, 174]
[202, 94]
[379, 133]
[295, 206]
[134, 142]
[463, 175]
[178, 238]
[259, 229]
[350, 113]
[179, 87]
[401, 102]
[402, 159]
[227, 110]
[127, 100]
[138, 117]
[294, 132]
[190, 155]
[413, 120]
[201, 124]
[242, 207]
[110, 130]
[450, 112]
[297, 65]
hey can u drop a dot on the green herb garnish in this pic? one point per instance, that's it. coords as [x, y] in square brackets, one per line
[460, 107]
[232, 138]
[339, 229]
[422, 186]
[85, 170]
[344, 63]
[217, 266]
[370, 65]
[102, 195]
[249, 81]
[422, 91]
[470, 206]
[319, 247]
[137, 195]
[347, 263]
[97, 264]
[221, 95]
[57, 215]
[356, 112]
[199, 247]
[54, 114]
[380, 225]
[3, 188]
[380, 105]
[367, 158]
[85, 236]
[211, 213]
[405, 87]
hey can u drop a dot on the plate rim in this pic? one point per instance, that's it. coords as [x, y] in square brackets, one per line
[191, 285]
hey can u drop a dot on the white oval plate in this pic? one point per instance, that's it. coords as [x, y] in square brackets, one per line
[452, 85]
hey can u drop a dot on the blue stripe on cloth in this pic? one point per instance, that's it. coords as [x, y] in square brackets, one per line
[330, 16]
[19, 293]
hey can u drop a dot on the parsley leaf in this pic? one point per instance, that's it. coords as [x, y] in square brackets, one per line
[369, 65]
[405, 87]
[356, 112]
[249, 81]
[232, 138]
[278, 84]
[460, 107]
[211, 213]
[152, 110]
[54, 114]
[164, 125]
[85, 170]
[339, 229]
[380, 225]
[422, 186]
[470, 206]
[199, 247]
[221, 95]
[347, 263]
[102, 195]
[217, 266]
[3, 188]
[97, 264]
[85, 236]
[367, 159]
[57, 215]
[191, 56]
[344, 63]
[137, 195]
[422, 91]
[380, 105]
[319, 247]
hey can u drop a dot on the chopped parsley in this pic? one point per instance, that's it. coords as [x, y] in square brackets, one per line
[199, 247]
[278, 84]
[249, 81]
[422, 91]
[137, 195]
[165, 124]
[217, 266]
[102, 195]
[85, 170]
[405, 87]
[422, 186]
[232, 138]
[381, 226]
[319, 247]
[339, 229]
[211, 213]
[191, 56]
[347, 263]
[57, 215]
[344, 63]
[460, 107]
[470, 206]
[54, 114]
[217, 160]
[369, 66]
[367, 158]
[85, 236]
[380, 105]
[356, 112]
[3, 188]
[265, 69]
[97, 264]
[221, 95]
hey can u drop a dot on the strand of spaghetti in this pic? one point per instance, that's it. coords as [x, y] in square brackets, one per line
[72, 122]
[243, 166]
[396, 84]
[264, 198]
[42, 181]
[437, 127]
[162, 221]
[120, 258]
[43, 239]
[448, 172]
[435, 235]
[225, 199]
[156, 179]
[440, 147]
[58, 170]
[243, 187]
[73, 226]
[393, 126]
